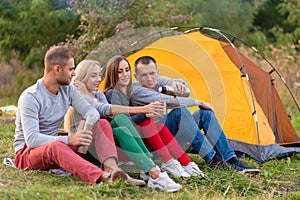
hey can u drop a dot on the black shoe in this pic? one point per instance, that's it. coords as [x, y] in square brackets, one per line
[215, 160]
[223, 165]
[245, 168]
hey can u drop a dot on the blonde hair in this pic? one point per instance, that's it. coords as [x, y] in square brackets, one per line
[82, 73]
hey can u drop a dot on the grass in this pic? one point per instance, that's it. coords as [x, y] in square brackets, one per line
[279, 179]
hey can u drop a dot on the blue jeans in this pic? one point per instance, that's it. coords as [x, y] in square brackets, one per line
[187, 130]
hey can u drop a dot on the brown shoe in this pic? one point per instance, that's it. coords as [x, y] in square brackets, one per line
[115, 175]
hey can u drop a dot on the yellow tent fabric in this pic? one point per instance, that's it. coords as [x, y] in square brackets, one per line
[212, 77]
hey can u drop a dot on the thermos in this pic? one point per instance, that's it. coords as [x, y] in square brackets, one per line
[169, 90]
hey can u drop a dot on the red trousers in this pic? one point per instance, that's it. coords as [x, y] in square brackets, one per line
[57, 154]
[158, 137]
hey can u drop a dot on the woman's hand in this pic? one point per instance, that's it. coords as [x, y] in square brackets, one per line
[81, 87]
[155, 110]
[155, 106]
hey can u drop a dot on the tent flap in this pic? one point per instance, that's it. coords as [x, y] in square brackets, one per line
[262, 153]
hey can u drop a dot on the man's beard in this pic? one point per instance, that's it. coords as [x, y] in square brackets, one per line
[63, 82]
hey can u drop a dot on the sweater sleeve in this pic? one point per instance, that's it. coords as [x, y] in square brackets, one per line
[84, 107]
[120, 99]
[102, 108]
[141, 96]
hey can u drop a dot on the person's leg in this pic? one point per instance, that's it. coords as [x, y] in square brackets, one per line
[104, 143]
[181, 124]
[150, 134]
[123, 120]
[132, 148]
[130, 145]
[106, 149]
[207, 121]
[55, 155]
[172, 145]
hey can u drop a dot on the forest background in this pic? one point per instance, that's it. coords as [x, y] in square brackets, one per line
[29, 27]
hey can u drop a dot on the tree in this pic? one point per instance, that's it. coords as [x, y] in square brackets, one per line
[279, 21]
[29, 27]
[104, 18]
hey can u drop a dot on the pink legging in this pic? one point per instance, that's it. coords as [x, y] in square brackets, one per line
[57, 154]
[158, 137]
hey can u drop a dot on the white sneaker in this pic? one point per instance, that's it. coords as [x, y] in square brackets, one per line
[144, 176]
[175, 168]
[193, 169]
[164, 182]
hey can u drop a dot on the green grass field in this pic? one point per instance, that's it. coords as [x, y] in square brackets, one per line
[279, 179]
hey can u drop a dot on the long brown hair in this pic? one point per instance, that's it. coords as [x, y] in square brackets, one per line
[112, 74]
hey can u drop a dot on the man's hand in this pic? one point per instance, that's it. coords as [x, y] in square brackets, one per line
[179, 87]
[204, 105]
[82, 137]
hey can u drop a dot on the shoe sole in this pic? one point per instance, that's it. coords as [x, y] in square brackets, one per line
[174, 190]
[167, 190]
[250, 171]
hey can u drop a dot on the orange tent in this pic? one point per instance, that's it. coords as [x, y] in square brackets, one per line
[246, 102]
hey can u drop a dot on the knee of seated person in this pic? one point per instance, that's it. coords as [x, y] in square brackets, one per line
[185, 111]
[56, 144]
[120, 116]
[197, 113]
[124, 129]
[206, 112]
[179, 111]
[101, 123]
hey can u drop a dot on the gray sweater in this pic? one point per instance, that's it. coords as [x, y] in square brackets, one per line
[141, 95]
[103, 109]
[40, 114]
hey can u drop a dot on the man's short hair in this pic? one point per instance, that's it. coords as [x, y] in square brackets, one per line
[57, 55]
[145, 60]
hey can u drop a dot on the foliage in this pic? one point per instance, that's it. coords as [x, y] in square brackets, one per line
[234, 16]
[103, 18]
[27, 27]
[14, 79]
[284, 27]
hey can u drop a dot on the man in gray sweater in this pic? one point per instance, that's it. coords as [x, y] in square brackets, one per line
[41, 110]
[212, 146]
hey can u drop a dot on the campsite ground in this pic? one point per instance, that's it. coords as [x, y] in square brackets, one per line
[279, 179]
